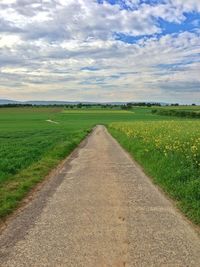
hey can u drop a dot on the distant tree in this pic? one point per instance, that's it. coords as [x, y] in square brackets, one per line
[129, 105]
[124, 107]
[80, 105]
[175, 105]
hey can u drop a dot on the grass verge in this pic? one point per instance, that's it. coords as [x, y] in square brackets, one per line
[17, 187]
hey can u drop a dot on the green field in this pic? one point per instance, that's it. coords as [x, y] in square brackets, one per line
[31, 144]
[169, 151]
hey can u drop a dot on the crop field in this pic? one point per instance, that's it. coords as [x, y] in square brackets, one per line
[169, 151]
[34, 140]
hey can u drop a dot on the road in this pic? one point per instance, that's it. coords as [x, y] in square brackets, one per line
[99, 210]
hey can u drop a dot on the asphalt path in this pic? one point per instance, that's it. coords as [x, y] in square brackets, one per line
[99, 210]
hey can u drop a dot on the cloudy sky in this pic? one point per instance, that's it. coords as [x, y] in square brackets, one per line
[100, 50]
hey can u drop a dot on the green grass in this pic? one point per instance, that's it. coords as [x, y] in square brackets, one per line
[30, 147]
[169, 151]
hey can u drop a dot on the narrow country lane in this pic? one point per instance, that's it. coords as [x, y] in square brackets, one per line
[99, 210]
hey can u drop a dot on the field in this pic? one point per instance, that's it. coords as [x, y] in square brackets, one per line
[30, 146]
[169, 151]
[35, 140]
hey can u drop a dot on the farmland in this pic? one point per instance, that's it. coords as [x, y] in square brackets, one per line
[34, 140]
[31, 145]
[169, 151]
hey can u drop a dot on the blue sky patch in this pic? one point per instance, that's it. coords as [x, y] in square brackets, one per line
[90, 68]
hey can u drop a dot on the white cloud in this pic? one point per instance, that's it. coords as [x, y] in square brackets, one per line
[67, 49]
[9, 40]
[186, 5]
[84, 19]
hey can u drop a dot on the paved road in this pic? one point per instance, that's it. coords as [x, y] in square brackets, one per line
[99, 210]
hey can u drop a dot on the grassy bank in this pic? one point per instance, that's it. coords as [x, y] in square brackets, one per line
[170, 154]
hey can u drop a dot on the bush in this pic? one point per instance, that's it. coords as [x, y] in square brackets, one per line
[176, 113]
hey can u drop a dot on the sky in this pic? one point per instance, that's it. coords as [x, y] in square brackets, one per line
[100, 50]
